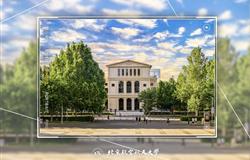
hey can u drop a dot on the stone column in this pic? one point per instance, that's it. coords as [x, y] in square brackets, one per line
[133, 86]
[133, 104]
[125, 87]
[125, 104]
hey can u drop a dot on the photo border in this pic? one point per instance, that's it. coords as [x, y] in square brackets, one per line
[126, 17]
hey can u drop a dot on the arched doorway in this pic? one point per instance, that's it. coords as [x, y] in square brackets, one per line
[121, 104]
[128, 87]
[137, 86]
[129, 104]
[137, 104]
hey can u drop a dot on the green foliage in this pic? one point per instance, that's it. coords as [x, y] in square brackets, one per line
[73, 80]
[18, 91]
[166, 96]
[195, 84]
[149, 99]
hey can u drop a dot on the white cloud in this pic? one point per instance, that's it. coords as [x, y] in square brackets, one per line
[196, 32]
[227, 30]
[167, 46]
[125, 32]
[241, 45]
[148, 23]
[87, 24]
[209, 52]
[181, 30]
[240, 1]
[195, 42]
[161, 35]
[202, 12]
[25, 22]
[69, 5]
[125, 12]
[157, 5]
[225, 15]
[67, 36]
[245, 30]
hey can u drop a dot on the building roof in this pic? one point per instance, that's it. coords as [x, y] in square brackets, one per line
[125, 61]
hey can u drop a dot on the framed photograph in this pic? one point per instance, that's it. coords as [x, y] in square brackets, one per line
[127, 77]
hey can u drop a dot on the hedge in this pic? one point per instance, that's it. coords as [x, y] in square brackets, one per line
[189, 118]
[78, 119]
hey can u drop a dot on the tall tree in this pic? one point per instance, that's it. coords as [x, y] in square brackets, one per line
[166, 98]
[192, 83]
[149, 99]
[19, 92]
[227, 78]
[79, 80]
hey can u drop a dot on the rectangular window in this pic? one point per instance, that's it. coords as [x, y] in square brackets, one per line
[134, 72]
[118, 72]
[139, 72]
[130, 71]
[123, 72]
[126, 72]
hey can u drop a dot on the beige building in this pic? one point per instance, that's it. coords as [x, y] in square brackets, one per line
[126, 80]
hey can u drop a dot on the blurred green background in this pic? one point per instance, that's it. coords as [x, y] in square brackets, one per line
[18, 93]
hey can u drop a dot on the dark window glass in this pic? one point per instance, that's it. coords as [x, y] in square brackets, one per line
[130, 71]
[121, 104]
[137, 104]
[113, 84]
[137, 86]
[129, 104]
[126, 72]
[128, 87]
[134, 72]
[144, 85]
[151, 84]
[121, 87]
[139, 72]
[118, 72]
[123, 72]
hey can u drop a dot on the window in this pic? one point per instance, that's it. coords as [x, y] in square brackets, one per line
[130, 71]
[113, 84]
[121, 104]
[137, 86]
[128, 87]
[126, 72]
[134, 72]
[139, 72]
[151, 84]
[121, 87]
[137, 104]
[123, 72]
[129, 104]
[144, 85]
[118, 72]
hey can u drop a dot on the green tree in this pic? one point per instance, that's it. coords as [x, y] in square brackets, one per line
[195, 83]
[166, 98]
[19, 91]
[149, 99]
[227, 78]
[76, 80]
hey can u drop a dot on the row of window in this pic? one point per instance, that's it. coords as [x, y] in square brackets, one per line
[129, 72]
[129, 104]
[129, 87]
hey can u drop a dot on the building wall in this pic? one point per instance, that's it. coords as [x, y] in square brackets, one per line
[113, 84]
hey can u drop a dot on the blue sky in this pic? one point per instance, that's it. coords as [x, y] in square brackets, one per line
[18, 18]
[163, 43]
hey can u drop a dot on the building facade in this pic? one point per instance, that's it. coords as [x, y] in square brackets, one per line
[126, 80]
